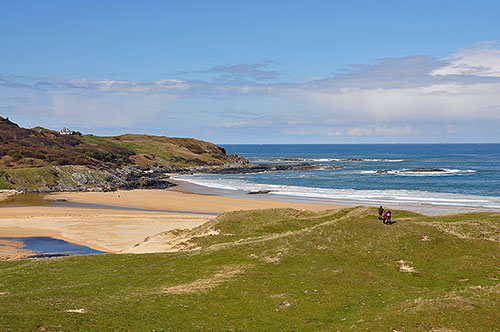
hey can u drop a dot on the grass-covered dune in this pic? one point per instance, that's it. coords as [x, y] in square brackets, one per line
[275, 270]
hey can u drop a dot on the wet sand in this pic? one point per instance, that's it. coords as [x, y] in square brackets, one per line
[13, 250]
[123, 231]
[180, 200]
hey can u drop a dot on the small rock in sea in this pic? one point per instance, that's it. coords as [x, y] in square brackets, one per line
[334, 167]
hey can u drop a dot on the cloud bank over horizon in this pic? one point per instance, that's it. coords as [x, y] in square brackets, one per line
[406, 99]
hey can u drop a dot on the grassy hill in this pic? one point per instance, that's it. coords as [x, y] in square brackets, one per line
[21, 147]
[149, 150]
[42, 159]
[275, 270]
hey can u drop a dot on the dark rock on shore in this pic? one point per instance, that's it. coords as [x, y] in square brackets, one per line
[258, 192]
[253, 168]
[86, 179]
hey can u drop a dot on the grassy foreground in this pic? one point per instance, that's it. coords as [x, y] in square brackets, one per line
[275, 270]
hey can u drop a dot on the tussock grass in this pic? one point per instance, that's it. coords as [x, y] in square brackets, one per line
[274, 270]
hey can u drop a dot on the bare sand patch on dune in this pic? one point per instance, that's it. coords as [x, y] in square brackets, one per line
[202, 285]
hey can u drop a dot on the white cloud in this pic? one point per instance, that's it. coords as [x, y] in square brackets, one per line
[482, 60]
[165, 86]
[381, 130]
[334, 133]
[432, 103]
[233, 124]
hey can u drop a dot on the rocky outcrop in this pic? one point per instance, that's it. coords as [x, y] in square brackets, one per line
[259, 192]
[334, 167]
[415, 170]
[252, 168]
[78, 178]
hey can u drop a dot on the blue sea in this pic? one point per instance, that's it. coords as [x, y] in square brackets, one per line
[471, 176]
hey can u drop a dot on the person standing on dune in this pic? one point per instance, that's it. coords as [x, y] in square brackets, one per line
[388, 216]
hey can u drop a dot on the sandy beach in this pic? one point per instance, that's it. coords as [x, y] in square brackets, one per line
[122, 231]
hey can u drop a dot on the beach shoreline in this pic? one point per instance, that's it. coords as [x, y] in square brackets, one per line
[124, 231]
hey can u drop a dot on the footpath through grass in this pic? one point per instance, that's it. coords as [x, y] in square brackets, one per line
[275, 270]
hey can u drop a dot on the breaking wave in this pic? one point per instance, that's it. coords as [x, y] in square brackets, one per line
[299, 159]
[415, 172]
[391, 196]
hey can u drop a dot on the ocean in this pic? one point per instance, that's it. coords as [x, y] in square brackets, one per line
[471, 176]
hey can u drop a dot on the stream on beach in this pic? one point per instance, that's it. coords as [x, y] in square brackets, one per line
[45, 246]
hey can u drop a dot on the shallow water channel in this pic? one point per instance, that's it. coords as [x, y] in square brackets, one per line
[50, 247]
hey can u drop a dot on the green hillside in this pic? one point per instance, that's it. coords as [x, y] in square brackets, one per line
[150, 150]
[22, 148]
[275, 270]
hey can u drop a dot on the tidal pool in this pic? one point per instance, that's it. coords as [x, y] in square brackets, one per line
[50, 247]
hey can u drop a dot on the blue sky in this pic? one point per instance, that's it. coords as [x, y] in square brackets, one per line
[255, 71]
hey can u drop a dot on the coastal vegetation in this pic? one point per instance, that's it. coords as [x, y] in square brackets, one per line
[274, 270]
[21, 147]
[40, 159]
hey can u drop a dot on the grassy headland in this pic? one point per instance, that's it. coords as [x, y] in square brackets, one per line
[42, 159]
[275, 270]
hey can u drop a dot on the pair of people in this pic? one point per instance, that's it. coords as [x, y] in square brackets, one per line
[384, 215]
